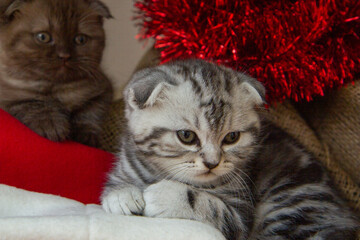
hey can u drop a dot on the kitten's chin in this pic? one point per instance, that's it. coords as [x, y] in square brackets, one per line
[64, 73]
[206, 179]
[64, 69]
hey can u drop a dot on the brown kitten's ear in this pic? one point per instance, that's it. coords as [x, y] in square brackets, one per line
[100, 8]
[12, 9]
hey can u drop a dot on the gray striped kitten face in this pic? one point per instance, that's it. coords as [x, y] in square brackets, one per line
[193, 121]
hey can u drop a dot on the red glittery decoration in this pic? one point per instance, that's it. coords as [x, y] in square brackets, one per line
[298, 49]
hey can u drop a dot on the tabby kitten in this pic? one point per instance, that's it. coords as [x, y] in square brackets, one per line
[197, 148]
[50, 76]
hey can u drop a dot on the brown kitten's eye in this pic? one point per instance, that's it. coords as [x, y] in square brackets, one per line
[187, 137]
[80, 39]
[231, 138]
[43, 37]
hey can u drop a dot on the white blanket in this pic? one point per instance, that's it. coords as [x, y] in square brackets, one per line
[29, 215]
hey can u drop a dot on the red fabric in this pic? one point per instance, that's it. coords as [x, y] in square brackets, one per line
[34, 163]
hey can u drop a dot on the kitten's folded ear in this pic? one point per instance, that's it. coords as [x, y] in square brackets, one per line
[147, 87]
[9, 9]
[252, 90]
[100, 8]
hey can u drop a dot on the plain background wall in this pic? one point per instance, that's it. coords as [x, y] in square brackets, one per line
[123, 51]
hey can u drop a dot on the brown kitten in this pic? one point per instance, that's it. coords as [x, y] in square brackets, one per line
[50, 76]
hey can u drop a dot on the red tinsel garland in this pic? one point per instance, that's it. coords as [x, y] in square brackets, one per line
[298, 49]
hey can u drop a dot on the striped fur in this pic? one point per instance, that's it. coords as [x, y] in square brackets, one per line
[264, 186]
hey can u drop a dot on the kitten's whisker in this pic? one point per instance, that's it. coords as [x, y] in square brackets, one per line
[246, 175]
[177, 172]
[170, 166]
[239, 178]
[175, 169]
[164, 171]
[244, 186]
[95, 75]
[234, 179]
[233, 187]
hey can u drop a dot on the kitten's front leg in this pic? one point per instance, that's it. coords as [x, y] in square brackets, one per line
[87, 121]
[47, 118]
[171, 199]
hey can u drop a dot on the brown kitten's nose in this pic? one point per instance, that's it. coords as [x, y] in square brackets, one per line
[64, 55]
[210, 165]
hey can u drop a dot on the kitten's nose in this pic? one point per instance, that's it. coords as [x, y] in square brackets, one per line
[64, 55]
[211, 155]
[210, 165]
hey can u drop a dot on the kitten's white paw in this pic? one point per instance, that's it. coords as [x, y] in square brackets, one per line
[126, 201]
[167, 199]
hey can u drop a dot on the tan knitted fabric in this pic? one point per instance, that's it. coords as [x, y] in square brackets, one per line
[288, 118]
[336, 120]
[113, 126]
[328, 127]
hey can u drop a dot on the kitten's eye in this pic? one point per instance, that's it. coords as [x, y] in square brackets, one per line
[43, 37]
[231, 138]
[81, 39]
[187, 137]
